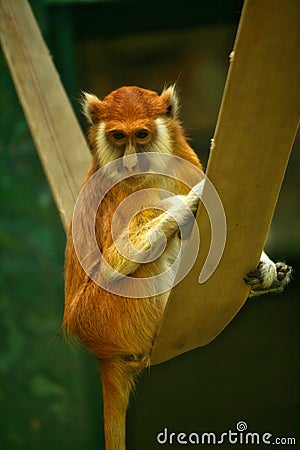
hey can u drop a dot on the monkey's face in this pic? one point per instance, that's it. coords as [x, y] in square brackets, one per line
[129, 122]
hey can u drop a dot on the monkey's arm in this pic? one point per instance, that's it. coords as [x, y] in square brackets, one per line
[126, 254]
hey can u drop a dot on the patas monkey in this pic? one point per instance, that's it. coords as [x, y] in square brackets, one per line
[117, 329]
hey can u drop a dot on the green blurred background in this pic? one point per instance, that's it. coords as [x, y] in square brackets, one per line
[50, 395]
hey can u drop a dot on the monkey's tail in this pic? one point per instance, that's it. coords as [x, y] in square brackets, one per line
[118, 378]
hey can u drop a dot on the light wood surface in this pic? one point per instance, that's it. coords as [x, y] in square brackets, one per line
[255, 131]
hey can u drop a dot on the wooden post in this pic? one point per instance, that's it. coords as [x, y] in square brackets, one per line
[253, 138]
[58, 138]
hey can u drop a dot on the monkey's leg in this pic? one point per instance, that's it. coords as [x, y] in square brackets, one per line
[268, 277]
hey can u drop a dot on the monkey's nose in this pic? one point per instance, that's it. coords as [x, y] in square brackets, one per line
[130, 161]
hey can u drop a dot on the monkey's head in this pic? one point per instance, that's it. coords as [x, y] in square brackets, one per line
[132, 120]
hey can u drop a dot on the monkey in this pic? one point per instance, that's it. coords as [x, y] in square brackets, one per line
[117, 329]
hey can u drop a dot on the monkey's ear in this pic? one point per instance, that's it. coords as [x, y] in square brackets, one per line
[91, 106]
[170, 98]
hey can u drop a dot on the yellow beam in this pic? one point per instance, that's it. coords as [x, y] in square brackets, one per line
[255, 131]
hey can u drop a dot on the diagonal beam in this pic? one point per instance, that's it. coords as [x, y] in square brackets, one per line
[254, 135]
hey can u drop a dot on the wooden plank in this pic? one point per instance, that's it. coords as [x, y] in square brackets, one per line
[58, 138]
[254, 134]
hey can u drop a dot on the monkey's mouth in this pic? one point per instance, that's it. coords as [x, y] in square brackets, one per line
[137, 173]
[138, 179]
[133, 179]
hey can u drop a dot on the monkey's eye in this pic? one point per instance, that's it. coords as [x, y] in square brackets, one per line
[142, 134]
[118, 135]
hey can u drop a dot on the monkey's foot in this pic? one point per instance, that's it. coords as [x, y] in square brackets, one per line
[268, 277]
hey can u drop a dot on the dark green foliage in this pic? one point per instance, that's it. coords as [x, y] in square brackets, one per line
[44, 387]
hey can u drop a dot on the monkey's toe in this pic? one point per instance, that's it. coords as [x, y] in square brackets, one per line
[283, 272]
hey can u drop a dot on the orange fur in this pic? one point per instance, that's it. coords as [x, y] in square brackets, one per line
[120, 331]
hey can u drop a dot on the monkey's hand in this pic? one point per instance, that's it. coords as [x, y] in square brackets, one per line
[268, 277]
[193, 197]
